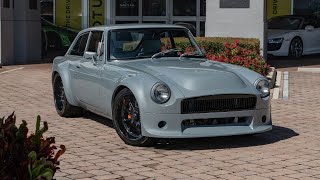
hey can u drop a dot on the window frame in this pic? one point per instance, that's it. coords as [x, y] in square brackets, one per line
[103, 42]
[75, 42]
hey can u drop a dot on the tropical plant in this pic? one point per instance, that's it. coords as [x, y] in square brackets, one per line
[27, 157]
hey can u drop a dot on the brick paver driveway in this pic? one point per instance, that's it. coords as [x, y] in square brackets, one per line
[94, 151]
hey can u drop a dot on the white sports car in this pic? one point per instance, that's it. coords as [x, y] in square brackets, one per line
[293, 35]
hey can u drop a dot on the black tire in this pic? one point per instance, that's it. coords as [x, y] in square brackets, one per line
[296, 48]
[128, 128]
[63, 108]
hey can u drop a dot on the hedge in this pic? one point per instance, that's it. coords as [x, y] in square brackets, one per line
[216, 45]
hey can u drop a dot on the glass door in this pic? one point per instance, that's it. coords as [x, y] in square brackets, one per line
[188, 13]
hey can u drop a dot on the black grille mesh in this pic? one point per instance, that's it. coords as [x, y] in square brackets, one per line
[218, 103]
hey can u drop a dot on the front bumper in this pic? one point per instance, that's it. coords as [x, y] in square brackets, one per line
[174, 124]
[279, 50]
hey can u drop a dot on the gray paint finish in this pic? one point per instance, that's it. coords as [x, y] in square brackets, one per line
[93, 86]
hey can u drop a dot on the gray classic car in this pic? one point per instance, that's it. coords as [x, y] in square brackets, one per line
[138, 76]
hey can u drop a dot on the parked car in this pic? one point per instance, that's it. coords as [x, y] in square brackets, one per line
[294, 35]
[56, 37]
[137, 76]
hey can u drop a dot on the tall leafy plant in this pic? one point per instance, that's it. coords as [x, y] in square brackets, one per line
[27, 157]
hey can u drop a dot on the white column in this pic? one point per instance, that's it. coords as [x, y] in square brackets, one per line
[238, 22]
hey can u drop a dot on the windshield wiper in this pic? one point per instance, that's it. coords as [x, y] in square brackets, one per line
[162, 53]
[192, 55]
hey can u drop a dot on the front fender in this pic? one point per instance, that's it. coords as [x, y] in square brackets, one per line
[141, 86]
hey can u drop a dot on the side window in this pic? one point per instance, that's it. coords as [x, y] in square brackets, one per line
[310, 22]
[80, 46]
[95, 39]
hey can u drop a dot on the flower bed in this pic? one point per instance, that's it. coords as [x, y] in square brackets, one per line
[234, 54]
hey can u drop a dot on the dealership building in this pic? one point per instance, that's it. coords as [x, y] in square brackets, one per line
[22, 37]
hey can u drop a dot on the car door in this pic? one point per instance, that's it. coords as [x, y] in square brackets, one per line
[89, 71]
[75, 55]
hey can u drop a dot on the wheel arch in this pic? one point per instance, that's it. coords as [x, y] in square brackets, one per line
[65, 78]
[294, 37]
[117, 91]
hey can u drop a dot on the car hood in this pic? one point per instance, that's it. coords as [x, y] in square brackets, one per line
[275, 33]
[193, 75]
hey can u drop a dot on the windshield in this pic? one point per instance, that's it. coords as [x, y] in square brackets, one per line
[146, 43]
[285, 23]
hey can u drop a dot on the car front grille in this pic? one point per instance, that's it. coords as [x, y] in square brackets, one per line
[218, 103]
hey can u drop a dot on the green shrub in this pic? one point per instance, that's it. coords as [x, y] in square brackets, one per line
[27, 157]
[215, 45]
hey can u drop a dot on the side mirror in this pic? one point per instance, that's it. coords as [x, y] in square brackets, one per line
[309, 28]
[91, 55]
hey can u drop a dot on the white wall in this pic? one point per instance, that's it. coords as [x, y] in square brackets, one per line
[20, 34]
[237, 22]
[27, 33]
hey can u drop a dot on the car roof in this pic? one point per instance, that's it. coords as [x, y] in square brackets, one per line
[133, 26]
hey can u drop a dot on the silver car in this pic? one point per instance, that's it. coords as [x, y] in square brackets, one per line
[139, 76]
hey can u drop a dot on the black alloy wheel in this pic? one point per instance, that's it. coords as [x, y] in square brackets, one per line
[63, 108]
[126, 119]
[296, 48]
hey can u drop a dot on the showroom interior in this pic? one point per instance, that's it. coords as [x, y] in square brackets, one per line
[56, 22]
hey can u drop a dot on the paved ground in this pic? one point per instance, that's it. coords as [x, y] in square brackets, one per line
[94, 151]
[289, 64]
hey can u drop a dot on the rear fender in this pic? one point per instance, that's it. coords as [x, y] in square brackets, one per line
[62, 68]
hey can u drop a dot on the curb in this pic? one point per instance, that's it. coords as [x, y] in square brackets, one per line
[272, 77]
[312, 70]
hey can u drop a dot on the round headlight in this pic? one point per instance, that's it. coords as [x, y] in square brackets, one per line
[263, 87]
[160, 93]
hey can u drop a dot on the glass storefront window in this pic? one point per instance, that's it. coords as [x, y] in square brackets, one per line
[202, 29]
[68, 13]
[203, 6]
[306, 7]
[47, 10]
[184, 7]
[154, 8]
[127, 7]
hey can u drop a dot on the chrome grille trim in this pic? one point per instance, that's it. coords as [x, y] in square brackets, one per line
[218, 103]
